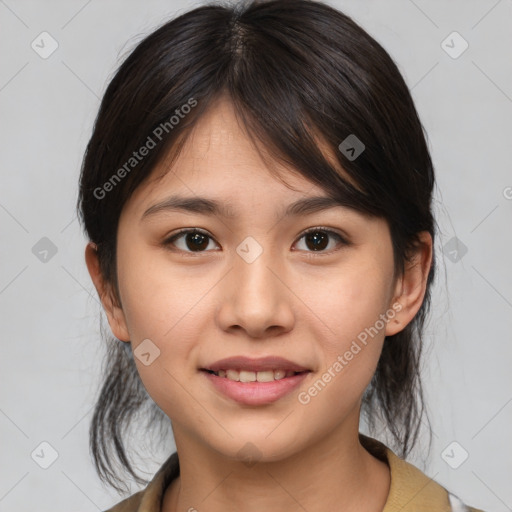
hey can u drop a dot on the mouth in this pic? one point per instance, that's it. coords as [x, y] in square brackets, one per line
[239, 375]
[255, 381]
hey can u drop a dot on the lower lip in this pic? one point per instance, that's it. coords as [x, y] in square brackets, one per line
[255, 393]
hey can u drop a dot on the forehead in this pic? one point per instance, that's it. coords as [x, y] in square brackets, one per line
[219, 154]
[220, 159]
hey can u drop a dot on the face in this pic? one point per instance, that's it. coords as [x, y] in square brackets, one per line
[251, 283]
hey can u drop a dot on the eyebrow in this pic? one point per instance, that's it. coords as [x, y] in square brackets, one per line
[208, 206]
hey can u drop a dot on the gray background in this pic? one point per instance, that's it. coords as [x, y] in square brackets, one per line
[51, 351]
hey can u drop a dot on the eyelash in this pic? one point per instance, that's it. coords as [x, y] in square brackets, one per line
[311, 254]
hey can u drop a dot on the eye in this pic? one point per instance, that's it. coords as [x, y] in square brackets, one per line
[318, 238]
[196, 240]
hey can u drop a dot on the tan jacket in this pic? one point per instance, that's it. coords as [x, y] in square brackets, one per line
[410, 490]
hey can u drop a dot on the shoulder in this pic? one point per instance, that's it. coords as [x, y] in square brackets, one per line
[411, 490]
[130, 504]
[150, 498]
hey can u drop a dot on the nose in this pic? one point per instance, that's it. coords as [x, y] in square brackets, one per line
[256, 298]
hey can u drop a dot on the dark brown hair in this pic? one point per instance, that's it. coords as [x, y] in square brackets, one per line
[296, 71]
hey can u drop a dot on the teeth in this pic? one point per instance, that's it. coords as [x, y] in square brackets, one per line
[233, 375]
[248, 376]
[266, 376]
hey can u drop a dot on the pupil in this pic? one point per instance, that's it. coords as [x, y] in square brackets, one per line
[318, 239]
[198, 241]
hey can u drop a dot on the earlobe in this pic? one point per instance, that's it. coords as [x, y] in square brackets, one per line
[115, 314]
[410, 288]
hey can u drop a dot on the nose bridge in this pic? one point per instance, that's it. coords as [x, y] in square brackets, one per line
[252, 271]
[257, 298]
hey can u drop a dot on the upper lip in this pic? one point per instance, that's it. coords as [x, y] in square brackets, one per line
[255, 364]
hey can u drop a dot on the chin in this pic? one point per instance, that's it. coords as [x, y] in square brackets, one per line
[256, 447]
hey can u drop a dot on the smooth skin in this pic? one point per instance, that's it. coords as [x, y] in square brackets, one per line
[292, 301]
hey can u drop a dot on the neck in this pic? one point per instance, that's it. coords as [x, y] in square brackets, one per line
[336, 473]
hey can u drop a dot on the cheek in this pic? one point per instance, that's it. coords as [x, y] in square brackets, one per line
[168, 311]
[168, 305]
[349, 302]
[347, 312]
[157, 296]
[350, 347]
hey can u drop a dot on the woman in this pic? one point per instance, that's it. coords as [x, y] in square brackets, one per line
[257, 195]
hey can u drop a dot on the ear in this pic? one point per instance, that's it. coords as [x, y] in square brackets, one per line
[115, 315]
[411, 286]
